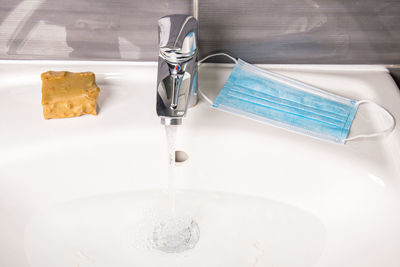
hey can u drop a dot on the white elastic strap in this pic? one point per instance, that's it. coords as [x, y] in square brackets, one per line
[380, 133]
[218, 54]
[206, 98]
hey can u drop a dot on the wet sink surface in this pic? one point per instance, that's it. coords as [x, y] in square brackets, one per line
[80, 188]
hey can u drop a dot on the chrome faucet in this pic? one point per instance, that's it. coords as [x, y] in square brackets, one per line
[177, 67]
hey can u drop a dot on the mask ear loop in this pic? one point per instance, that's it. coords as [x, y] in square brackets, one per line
[206, 98]
[380, 133]
[218, 54]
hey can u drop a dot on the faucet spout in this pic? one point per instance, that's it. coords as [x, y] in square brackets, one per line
[177, 67]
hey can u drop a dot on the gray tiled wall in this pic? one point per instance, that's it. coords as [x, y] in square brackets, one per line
[259, 31]
[83, 29]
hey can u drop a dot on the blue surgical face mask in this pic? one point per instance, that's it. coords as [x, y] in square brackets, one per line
[289, 104]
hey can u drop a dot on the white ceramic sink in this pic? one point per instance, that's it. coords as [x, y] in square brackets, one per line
[87, 191]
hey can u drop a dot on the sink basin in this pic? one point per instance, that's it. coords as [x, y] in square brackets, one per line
[89, 191]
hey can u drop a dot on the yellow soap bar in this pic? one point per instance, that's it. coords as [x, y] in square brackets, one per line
[68, 94]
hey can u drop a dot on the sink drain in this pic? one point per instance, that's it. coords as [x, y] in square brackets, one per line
[175, 236]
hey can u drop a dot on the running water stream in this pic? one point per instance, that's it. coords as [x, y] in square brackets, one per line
[170, 131]
[175, 233]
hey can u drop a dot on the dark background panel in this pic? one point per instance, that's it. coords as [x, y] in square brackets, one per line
[259, 31]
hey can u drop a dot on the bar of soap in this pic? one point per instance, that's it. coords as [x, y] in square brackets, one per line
[68, 94]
